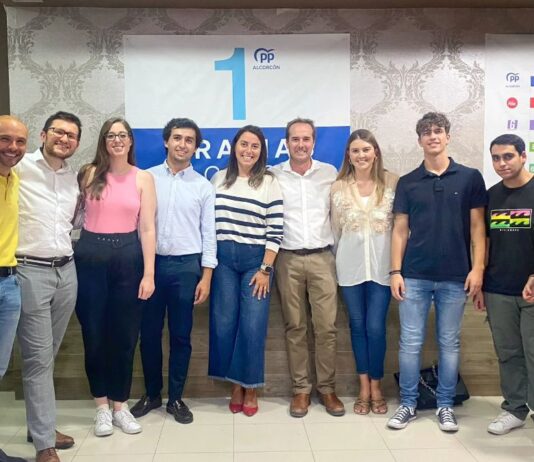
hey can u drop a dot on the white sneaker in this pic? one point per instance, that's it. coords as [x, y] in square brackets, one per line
[447, 419]
[103, 426]
[126, 422]
[504, 423]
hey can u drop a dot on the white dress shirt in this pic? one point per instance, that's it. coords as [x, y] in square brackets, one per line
[47, 200]
[306, 205]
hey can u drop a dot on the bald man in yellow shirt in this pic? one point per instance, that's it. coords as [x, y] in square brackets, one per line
[13, 137]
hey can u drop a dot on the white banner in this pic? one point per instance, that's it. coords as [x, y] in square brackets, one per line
[226, 82]
[509, 94]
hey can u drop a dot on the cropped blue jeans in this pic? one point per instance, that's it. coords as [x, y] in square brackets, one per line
[238, 321]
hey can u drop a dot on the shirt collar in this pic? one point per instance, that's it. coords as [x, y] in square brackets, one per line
[286, 167]
[185, 173]
[422, 172]
[39, 158]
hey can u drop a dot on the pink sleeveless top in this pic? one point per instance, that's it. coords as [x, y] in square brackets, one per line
[117, 211]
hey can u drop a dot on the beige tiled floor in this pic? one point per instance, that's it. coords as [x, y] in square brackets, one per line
[273, 436]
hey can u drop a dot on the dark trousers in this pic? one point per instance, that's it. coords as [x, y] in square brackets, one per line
[176, 281]
[110, 268]
[511, 321]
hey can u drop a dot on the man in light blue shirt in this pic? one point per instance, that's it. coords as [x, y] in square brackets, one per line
[186, 254]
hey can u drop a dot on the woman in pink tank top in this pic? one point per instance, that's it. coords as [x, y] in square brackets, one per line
[115, 265]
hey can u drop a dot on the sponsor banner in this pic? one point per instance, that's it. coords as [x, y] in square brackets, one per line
[509, 95]
[226, 82]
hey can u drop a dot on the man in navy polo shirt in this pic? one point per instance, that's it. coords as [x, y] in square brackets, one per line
[439, 212]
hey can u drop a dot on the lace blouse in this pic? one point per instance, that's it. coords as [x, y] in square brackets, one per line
[362, 232]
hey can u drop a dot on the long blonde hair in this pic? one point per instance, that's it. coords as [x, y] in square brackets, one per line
[378, 175]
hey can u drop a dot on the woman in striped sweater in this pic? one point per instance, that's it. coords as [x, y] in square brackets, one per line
[249, 218]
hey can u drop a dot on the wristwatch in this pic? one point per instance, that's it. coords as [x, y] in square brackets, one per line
[266, 268]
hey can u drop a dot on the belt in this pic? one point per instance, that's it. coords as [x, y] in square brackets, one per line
[115, 240]
[54, 262]
[6, 271]
[304, 252]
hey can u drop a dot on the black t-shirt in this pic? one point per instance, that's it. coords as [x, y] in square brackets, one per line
[511, 231]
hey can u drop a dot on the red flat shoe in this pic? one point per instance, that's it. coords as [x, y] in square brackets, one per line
[235, 408]
[249, 411]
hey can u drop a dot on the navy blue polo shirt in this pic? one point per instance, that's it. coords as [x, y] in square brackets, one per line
[438, 209]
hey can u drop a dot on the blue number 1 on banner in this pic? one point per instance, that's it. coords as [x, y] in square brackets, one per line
[236, 64]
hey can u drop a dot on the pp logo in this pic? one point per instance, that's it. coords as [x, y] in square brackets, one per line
[263, 55]
[512, 103]
[512, 77]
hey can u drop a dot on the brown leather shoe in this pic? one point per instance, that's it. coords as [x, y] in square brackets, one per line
[62, 441]
[299, 405]
[47, 455]
[332, 403]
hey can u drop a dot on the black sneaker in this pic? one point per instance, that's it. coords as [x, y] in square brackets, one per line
[402, 417]
[447, 419]
[145, 405]
[180, 411]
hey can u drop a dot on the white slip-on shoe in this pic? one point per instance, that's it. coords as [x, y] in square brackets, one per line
[504, 423]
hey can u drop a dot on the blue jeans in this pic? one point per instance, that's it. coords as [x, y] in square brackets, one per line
[176, 280]
[367, 304]
[238, 321]
[9, 318]
[449, 301]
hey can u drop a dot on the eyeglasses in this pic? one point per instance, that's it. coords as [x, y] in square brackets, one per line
[123, 136]
[60, 133]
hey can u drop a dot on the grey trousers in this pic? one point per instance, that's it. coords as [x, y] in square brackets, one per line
[512, 326]
[48, 299]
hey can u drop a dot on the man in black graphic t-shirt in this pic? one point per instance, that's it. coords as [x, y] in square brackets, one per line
[509, 280]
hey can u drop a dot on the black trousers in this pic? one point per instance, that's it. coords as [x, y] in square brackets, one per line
[176, 281]
[110, 268]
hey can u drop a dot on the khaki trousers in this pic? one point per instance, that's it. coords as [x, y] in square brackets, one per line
[312, 276]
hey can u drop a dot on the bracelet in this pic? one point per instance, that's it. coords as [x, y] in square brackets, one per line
[392, 272]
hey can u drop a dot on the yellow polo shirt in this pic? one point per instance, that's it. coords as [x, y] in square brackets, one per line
[9, 218]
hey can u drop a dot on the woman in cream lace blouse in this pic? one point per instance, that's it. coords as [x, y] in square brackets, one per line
[362, 199]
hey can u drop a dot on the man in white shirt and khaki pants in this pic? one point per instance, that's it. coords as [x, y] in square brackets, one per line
[46, 273]
[306, 267]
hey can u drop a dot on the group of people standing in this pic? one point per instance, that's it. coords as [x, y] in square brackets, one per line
[158, 242]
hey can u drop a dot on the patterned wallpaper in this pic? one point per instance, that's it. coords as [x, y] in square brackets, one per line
[404, 62]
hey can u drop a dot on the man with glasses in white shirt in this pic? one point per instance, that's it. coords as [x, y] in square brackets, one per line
[306, 267]
[46, 273]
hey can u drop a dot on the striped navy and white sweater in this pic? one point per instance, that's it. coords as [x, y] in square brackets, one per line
[247, 215]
